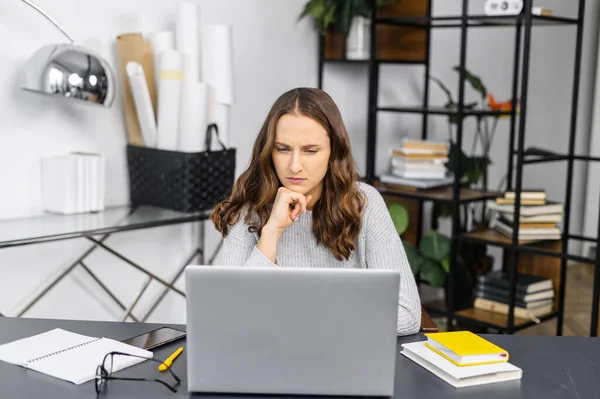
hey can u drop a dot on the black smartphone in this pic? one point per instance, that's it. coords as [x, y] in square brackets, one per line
[155, 338]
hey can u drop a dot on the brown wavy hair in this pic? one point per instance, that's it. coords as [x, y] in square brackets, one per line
[337, 213]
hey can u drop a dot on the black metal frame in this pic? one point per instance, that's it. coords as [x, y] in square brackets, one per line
[523, 25]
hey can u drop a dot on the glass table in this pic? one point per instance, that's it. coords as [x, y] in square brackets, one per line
[97, 227]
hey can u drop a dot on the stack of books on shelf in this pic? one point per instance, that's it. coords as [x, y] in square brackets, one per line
[462, 358]
[538, 218]
[534, 295]
[419, 163]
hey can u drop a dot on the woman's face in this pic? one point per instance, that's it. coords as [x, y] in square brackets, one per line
[301, 154]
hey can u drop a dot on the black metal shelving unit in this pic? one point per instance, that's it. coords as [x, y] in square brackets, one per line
[518, 157]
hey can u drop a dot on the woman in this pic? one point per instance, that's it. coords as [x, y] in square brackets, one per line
[299, 203]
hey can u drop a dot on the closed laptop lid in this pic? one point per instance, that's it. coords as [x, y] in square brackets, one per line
[291, 330]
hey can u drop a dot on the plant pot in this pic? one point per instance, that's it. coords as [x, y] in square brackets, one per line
[465, 280]
[358, 43]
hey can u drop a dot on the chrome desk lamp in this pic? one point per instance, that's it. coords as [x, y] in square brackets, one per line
[68, 70]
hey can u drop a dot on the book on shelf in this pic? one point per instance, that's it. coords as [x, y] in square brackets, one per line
[401, 163]
[420, 174]
[502, 295]
[530, 194]
[390, 178]
[524, 201]
[419, 160]
[425, 145]
[446, 367]
[526, 283]
[528, 233]
[544, 218]
[501, 308]
[526, 224]
[527, 210]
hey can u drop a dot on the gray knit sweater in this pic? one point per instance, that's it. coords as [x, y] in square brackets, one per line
[379, 247]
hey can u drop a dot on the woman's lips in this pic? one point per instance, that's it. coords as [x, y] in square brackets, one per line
[296, 180]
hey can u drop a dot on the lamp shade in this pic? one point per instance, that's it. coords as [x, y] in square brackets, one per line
[71, 71]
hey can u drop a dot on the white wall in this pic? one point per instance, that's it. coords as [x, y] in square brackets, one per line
[490, 55]
[272, 53]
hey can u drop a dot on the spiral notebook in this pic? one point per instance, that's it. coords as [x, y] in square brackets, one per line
[69, 356]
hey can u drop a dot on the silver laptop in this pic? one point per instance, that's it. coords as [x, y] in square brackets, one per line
[291, 330]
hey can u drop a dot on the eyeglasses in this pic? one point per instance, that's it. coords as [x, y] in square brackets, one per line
[104, 373]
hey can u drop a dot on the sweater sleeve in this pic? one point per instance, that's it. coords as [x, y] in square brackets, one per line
[384, 250]
[239, 248]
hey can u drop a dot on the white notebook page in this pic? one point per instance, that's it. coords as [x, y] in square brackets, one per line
[21, 351]
[79, 365]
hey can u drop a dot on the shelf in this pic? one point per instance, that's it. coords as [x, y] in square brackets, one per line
[443, 111]
[440, 194]
[489, 319]
[475, 21]
[365, 62]
[493, 237]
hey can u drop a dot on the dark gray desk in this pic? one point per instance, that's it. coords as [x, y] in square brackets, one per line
[553, 367]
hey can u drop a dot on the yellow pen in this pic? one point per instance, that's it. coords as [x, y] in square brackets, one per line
[167, 363]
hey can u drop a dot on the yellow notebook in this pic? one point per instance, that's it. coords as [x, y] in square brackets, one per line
[464, 348]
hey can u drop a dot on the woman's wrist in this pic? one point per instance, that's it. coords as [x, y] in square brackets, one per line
[269, 239]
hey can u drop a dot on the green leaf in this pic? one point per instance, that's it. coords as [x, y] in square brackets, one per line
[344, 15]
[383, 3]
[475, 82]
[446, 90]
[456, 155]
[432, 272]
[413, 256]
[446, 264]
[435, 246]
[476, 167]
[316, 8]
[399, 216]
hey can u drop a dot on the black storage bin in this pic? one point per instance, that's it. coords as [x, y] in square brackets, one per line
[180, 181]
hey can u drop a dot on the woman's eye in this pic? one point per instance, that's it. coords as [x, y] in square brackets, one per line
[311, 151]
[281, 149]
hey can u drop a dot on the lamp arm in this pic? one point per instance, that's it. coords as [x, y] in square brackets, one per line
[49, 18]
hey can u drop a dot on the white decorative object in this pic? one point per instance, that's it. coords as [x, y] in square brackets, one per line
[358, 42]
[503, 7]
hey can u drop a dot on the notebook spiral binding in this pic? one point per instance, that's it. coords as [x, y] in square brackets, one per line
[61, 351]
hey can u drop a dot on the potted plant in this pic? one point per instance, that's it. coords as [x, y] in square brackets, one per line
[351, 18]
[431, 259]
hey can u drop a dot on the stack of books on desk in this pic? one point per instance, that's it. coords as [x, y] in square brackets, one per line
[462, 358]
[420, 163]
[538, 218]
[534, 295]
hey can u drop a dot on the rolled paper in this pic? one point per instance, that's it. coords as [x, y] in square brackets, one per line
[143, 103]
[221, 115]
[193, 118]
[133, 47]
[160, 41]
[171, 63]
[217, 61]
[186, 37]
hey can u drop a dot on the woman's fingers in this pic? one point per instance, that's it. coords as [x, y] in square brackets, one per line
[299, 203]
